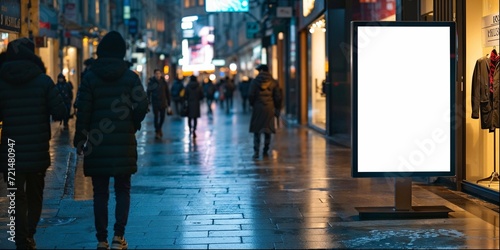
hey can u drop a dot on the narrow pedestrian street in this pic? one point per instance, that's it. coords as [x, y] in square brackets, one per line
[208, 193]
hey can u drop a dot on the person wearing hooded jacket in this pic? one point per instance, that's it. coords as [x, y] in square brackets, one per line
[265, 98]
[66, 90]
[193, 95]
[111, 105]
[28, 97]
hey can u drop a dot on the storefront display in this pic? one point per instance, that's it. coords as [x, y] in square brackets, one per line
[317, 78]
[482, 94]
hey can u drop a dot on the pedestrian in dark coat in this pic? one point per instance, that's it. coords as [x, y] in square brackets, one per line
[66, 90]
[209, 89]
[228, 88]
[159, 97]
[111, 106]
[265, 98]
[28, 97]
[176, 90]
[244, 87]
[194, 96]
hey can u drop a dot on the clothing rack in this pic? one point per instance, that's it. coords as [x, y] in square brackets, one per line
[494, 175]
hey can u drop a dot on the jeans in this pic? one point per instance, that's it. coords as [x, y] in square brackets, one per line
[101, 197]
[209, 105]
[29, 199]
[192, 122]
[178, 106]
[244, 101]
[159, 115]
[256, 142]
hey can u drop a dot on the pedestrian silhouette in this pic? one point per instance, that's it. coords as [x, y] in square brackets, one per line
[194, 96]
[159, 98]
[111, 106]
[66, 90]
[265, 99]
[27, 99]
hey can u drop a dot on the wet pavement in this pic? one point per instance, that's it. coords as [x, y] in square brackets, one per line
[208, 193]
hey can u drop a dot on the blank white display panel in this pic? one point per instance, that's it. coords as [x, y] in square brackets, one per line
[403, 90]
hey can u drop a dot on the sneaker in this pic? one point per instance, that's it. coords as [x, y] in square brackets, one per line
[31, 243]
[255, 156]
[103, 245]
[194, 134]
[119, 242]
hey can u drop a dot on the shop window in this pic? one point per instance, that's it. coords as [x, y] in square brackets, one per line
[482, 134]
[317, 73]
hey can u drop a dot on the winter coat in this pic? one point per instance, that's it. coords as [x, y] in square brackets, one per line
[66, 91]
[244, 87]
[111, 106]
[177, 87]
[265, 98]
[483, 102]
[27, 99]
[228, 87]
[158, 93]
[209, 90]
[194, 95]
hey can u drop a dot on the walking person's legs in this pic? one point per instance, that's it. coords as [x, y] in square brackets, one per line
[156, 113]
[100, 186]
[195, 123]
[256, 145]
[267, 142]
[161, 113]
[122, 192]
[35, 184]
[21, 212]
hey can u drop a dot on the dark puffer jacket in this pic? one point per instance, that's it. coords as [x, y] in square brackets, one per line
[27, 99]
[194, 95]
[265, 97]
[111, 106]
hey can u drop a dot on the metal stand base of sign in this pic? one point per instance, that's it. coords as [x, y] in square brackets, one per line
[403, 208]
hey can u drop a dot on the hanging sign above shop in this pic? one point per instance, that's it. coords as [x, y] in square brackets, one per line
[10, 15]
[490, 30]
[403, 113]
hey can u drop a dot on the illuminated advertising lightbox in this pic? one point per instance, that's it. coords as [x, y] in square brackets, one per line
[226, 5]
[403, 98]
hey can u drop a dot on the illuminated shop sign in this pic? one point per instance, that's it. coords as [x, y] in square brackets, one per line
[490, 30]
[226, 5]
[10, 15]
[403, 113]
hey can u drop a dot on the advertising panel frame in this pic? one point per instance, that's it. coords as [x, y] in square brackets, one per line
[358, 149]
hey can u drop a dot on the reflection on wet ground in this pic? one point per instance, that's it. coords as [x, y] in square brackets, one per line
[208, 193]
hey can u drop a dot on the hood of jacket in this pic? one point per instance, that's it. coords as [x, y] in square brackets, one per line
[19, 71]
[109, 69]
[264, 80]
[193, 85]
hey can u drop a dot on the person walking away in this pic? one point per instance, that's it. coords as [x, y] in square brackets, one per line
[209, 92]
[111, 104]
[28, 97]
[229, 88]
[244, 87]
[159, 98]
[66, 90]
[265, 99]
[177, 89]
[88, 65]
[194, 95]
